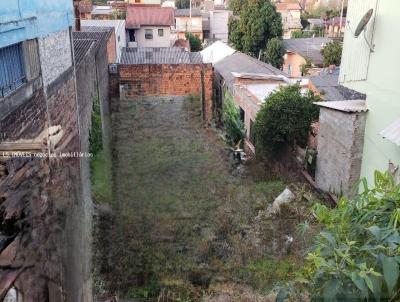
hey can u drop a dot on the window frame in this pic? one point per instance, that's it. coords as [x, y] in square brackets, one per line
[12, 76]
[162, 32]
[146, 33]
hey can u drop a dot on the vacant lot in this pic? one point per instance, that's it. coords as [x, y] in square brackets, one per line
[188, 222]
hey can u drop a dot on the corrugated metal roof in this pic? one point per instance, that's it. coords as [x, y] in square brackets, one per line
[159, 55]
[138, 16]
[307, 47]
[242, 63]
[392, 132]
[185, 12]
[345, 106]
[84, 40]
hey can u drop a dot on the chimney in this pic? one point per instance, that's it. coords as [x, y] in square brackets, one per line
[77, 15]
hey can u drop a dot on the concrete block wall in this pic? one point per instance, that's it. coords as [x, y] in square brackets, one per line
[167, 80]
[340, 148]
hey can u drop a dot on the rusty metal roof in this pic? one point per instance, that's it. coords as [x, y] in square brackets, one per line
[392, 132]
[138, 16]
[352, 106]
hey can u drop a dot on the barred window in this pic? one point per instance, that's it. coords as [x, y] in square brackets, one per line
[12, 71]
[148, 34]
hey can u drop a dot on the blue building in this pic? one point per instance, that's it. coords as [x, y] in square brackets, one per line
[35, 48]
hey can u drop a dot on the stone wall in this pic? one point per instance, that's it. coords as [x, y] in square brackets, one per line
[340, 148]
[168, 80]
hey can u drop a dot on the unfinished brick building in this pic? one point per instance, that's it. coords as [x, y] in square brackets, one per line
[45, 201]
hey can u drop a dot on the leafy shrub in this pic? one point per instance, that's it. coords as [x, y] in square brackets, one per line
[286, 116]
[332, 53]
[305, 67]
[233, 126]
[194, 41]
[95, 134]
[356, 257]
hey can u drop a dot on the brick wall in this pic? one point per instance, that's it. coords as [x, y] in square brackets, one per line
[111, 50]
[340, 149]
[167, 80]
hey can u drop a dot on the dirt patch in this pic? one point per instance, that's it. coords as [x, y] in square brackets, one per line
[187, 218]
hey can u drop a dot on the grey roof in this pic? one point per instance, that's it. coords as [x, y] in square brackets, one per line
[84, 40]
[392, 132]
[185, 12]
[307, 47]
[242, 63]
[159, 55]
[350, 106]
[328, 85]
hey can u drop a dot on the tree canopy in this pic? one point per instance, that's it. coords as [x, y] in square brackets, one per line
[285, 117]
[259, 22]
[274, 52]
[194, 41]
[332, 53]
[182, 3]
[236, 6]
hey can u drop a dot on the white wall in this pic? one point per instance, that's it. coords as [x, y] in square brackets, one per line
[119, 29]
[157, 41]
[219, 24]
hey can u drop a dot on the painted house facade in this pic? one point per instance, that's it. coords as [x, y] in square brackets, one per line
[366, 70]
[290, 13]
[298, 50]
[186, 22]
[149, 26]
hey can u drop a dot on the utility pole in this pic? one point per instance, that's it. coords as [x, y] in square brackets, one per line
[341, 18]
[190, 17]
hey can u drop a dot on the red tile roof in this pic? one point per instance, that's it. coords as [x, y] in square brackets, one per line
[138, 16]
[287, 6]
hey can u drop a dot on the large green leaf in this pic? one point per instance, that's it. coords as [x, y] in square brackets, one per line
[376, 231]
[359, 282]
[390, 271]
[377, 287]
[282, 295]
[331, 289]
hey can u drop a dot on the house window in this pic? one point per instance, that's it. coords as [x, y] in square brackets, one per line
[241, 114]
[148, 34]
[251, 134]
[161, 32]
[12, 71]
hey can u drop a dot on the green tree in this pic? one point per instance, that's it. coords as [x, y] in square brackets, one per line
[259, 22]
[305, 67]
[235, 35]
[274, 52]
[194, 41]
[182, 3]
[285, 117]
[332, 53]
[233, 126]
[236, 6]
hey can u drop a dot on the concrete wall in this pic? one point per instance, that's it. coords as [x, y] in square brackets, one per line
[164, 41]
[24, 20]
[167, 80]
[340, 149]
[376, 74]
[291, 64]
[219, 24]
[55, 55]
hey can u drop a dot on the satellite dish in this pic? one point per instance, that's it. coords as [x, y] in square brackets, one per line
[363, 23]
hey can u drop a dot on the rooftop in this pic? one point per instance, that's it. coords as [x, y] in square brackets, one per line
[138, 16]
[216, 52]
[287, 6]
[351, 106]
[307, 47]
[159, 55]
[102, 10]
[85, 40]
[241, 63]
[336, 21]
[327, 82]
[185, 12]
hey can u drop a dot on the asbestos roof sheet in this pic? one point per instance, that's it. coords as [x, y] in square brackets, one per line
[392, 132]
[138, 16]
[216, 52]
[242, 63]
[307, 47]
[185, 12]
[89, 37]
[159, 55]
[327, 83]
[352, 106]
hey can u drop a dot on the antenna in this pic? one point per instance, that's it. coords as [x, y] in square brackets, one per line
[362, 28]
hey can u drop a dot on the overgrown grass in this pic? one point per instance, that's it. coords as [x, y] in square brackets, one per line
[101, 178]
